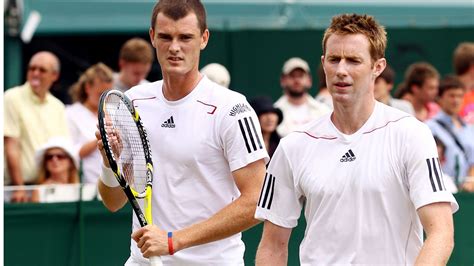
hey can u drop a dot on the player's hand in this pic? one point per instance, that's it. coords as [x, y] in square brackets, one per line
[151, 240]
[19, 195]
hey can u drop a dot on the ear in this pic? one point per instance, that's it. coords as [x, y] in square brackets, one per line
[152, 36]
[379, 67]
[205, 39]
[322, 62]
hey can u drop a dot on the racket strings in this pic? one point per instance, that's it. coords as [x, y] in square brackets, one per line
[126, 143]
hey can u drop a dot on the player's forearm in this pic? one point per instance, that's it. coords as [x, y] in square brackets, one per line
[268, 255]
[112, 198]
[436, 249]
[234, 218]
[13, 155]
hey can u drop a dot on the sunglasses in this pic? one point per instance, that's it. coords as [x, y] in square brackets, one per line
[59, 156]
[40, 69]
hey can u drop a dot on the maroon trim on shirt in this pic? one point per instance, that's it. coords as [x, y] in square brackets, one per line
[142, 99]
[391, 121]
[207, 104]
[327, 138]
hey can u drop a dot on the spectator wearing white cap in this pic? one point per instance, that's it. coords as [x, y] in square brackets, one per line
[57, 162]
[217, 73]
[297, 105]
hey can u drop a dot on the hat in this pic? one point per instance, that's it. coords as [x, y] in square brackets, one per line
[264, 104]
[217, 73]
[294, 63]
[57, 142]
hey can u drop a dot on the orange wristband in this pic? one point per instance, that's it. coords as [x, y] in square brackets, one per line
[170, 243]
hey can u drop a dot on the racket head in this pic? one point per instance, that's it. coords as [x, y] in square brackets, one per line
[125, 142]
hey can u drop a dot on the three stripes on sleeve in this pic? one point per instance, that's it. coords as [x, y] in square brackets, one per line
[435, 174]
[250, 135]
[266, 195]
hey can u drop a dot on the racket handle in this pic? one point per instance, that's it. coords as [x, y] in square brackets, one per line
[155, 261]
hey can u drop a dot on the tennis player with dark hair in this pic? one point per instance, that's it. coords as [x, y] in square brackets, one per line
[207, 149]
[368, 174]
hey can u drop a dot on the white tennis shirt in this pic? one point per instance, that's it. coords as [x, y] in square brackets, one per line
[361, 191]
[196, 143]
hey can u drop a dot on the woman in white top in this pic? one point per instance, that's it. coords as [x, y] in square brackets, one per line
[82, 117]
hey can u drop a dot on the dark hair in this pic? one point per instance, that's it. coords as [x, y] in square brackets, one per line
[417, 74]
[388, 75]
[321, 77]
[449, 82]
[463, 57]
[178, 9]
[359, 24]
[440, 144]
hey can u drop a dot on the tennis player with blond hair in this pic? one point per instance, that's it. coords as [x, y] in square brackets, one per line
[368, 174]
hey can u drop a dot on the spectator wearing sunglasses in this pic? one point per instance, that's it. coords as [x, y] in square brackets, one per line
[31, 116]
[58, 163]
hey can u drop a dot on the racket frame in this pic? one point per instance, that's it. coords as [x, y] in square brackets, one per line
[132, 195]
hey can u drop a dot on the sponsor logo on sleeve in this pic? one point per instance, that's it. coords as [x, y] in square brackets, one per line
[239, 109]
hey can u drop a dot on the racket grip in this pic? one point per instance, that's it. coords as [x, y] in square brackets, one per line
[155, 261]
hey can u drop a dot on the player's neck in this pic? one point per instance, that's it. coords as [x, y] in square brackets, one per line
[176, 87]
[349, 118]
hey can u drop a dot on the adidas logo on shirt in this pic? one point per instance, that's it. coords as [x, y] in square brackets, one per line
[348, 157]
[169, 123]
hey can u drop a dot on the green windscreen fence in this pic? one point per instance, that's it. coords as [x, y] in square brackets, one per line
[85, 233]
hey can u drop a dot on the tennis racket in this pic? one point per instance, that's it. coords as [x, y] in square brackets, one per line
[128, 152]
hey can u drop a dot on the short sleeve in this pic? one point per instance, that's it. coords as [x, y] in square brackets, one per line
[241, 135]
[424, 174]
[11, 117]
[280, 201]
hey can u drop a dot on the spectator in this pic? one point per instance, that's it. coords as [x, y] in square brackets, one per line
[57, 164]
[269, 117]
[323, 95]
[463, 61]
[82, 117]
[454, 133]
[135, 60]
[297, 105]
[217, 73]
[449, 181]
[383, 86]
[420, 88]
[31, 116]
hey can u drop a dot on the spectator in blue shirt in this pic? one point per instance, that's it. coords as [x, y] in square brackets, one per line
[449, 127]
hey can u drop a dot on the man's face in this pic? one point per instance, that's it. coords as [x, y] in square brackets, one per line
[41, 73]
[178, 44]
[296, 83]
[133, 72]
[350, 73]
[382, 89]
[428, 90]
[451, 101]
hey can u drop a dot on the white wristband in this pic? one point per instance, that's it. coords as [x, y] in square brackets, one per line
[108, 177]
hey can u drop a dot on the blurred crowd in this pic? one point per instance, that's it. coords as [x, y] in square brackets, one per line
[49, 143]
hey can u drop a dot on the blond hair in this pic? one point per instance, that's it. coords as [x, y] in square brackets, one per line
[98, 71]
[137, 50]
[359, 24]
